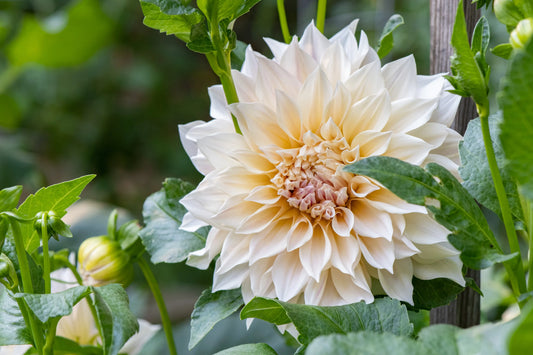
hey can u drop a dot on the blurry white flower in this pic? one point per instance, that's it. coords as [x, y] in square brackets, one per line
[287, 221]
[80, 325]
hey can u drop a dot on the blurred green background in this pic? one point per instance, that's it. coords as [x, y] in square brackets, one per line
[86, 88]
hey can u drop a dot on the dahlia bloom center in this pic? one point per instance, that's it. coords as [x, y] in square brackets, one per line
[311, 177]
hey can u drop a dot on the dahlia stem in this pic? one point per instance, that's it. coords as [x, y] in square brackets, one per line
[516, 274]
[46, 254]
[27, 285]
[156, 291]
[527, 207]
[283, 21]
[51, 336]
[321, 15]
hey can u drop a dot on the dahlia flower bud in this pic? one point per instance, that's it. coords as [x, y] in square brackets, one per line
[507, 12]
[522, 33]
[102, 261]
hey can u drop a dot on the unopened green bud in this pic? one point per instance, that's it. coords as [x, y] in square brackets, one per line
[507, 12]
[4, 269]
[522, 33]
[102, 261]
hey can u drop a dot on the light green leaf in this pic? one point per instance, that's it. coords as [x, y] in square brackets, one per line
[52, 198]
[163, 215]
[503, 50]
[386, 41]
[481, 36]
[13, 330]
[384, 315]
[210, 309]
[366, 343]
[46, 306]
[175, 17]
[114, 315]
[246, 349]
[521, 341]
[475, 170]
[9, 197]
[66, 39]
[218, 10]
[451, 204]
[465, 69]
[516, 102]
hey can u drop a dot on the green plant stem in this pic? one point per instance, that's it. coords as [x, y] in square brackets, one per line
[156, 291]
[46, 254]
[27, 285]
[88, 299]
[516, 274]
[528, 213]
[283, 21]
[51, 336]
[321, 15]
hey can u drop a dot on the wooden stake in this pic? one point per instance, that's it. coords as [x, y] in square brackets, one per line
[464, 311]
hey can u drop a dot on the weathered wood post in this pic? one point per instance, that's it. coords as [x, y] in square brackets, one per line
[464, 311]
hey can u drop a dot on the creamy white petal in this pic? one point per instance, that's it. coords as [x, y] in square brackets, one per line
[371, 113]
[313, 42]
[365, 81]
[276, 47]
[408, 148]
[450, 268]
[288, 275]
[349, 289]
[213, 245]
[230, 279]
[378, 252]
[422, 229]
[410, 113]
[315, 254]
[219, 106]
[335, 63]
[400, 77]
[315, 93]
[370, 221]
[297, 61]
[345, 254]
[398, 284]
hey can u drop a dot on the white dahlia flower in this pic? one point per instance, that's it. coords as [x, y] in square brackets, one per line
[287, 221]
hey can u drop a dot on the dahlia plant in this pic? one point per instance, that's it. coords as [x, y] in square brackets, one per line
[337, 203]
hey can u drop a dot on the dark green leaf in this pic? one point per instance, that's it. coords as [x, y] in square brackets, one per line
[366, 343]
[210, 309]
[384, 315]
[428, 294]
[503, 50]
[451, 204]
[200, 41]
[12, 326]
[175, 17]
[114, 315]
[475, 171]
[64, 346]
[9, 198]
[87, 29]
[46, 306]
[469, 76]
[246, 349]
[517, 126]
[129, 239]
[163, 215]
[237, 55]
[52, 198]
[386, 40]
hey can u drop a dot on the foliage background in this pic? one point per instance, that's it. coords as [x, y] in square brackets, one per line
[116, 114]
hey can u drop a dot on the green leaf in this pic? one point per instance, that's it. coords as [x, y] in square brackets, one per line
[46, 306]
[384, 315]
[65, 39]
[444, 196]
[200, 41]
[210, 309]
[9, 197]
[129, 239]
[481, 36]
[218, 10]
[52, 198]
[163, 215]
[13, 329]
[175, 17]
[366, 343]
[10, 112]
[238, 54]
[386, 40]
[246, 349]
[520, 341]
[486, 339]
[503, 50]
[428, 294]
[114, 315]
[64, 346]
[516, 102]
[475, 171]
[469, 76]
